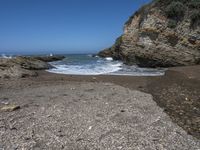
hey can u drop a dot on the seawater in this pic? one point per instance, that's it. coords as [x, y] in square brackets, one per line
[89, 65]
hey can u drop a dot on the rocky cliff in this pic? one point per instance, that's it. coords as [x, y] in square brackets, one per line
[163, 33]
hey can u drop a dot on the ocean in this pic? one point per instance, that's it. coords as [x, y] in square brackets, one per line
[89, 65]
[86, 64]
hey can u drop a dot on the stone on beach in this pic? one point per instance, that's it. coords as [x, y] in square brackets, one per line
[9, 108]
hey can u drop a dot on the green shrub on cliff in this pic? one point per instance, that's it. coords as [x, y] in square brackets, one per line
[194, 4]
[168, 2]
[172, 23]
[195, 18]
[175, 10]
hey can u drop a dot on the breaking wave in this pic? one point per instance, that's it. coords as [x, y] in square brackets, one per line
[6, 56]
[87, 65]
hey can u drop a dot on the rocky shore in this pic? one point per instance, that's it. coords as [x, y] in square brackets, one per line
[163, 33]
[22, 66]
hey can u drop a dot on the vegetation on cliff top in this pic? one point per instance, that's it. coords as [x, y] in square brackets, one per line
[174, 10]
[177, 9]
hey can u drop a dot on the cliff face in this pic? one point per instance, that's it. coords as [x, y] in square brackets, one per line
[163, 33]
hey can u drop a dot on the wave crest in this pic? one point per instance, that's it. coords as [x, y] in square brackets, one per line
[5, 56]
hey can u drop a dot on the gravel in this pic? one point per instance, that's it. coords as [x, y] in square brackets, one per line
[88, 116]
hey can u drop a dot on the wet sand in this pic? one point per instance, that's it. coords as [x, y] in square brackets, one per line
[177, 94]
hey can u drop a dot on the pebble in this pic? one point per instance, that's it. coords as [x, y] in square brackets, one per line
[5, 102]
[94, 78]
[90, 127]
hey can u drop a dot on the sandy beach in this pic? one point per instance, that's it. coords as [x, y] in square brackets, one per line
[102, 112]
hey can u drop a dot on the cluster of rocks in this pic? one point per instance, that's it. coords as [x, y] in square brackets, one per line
[149, 41]
[22, 66]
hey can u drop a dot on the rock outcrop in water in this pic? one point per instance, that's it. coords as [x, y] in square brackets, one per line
[49, 58]
[24, 66]
[163, 33]
[29, 63]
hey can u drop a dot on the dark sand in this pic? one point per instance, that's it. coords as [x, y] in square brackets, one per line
[178, 92]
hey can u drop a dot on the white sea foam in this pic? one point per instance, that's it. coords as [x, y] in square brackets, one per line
[86, 69]
[137, 71]
[109, 58]
[86, 65]
[90, 55]
[5, 56]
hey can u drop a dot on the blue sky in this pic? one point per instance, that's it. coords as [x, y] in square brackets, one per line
[62, 26]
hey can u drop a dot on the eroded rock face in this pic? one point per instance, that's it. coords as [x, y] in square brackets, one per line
[148, 41]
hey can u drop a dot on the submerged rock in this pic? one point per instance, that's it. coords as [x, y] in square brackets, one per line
[153, 37]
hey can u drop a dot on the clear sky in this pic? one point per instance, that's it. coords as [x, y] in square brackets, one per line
[62, 26]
